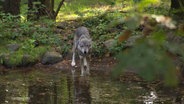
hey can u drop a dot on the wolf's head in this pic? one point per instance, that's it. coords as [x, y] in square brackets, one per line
[84, 45]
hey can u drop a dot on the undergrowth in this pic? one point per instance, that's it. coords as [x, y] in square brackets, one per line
[34, 38]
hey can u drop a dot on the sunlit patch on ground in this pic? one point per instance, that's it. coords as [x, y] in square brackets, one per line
[84, 13]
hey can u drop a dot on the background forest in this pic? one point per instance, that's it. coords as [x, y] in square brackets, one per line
[146, 36]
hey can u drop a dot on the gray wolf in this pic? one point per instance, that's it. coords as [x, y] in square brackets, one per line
[81, 45]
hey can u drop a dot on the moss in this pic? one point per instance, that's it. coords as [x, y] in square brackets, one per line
[23, 57]
[3, 49]
[13, 59]
[38, 52]
[33, 56]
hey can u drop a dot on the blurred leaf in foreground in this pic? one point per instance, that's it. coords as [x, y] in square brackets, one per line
[149, 60]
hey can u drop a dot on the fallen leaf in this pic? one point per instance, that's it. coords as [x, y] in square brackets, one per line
[125, 35]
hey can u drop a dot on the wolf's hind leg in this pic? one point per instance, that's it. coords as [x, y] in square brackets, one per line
[82, 65]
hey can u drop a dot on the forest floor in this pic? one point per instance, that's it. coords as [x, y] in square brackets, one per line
[99, 66]
[103, 63]
[103, 67]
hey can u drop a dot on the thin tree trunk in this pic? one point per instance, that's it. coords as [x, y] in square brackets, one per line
[59, 6]
[45, 8]
[32, 13]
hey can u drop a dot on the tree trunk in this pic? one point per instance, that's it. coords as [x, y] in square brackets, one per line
[1, 5]
[177, 7]
[48, 8]
[32, 12]
[12, 7]
[38, 8]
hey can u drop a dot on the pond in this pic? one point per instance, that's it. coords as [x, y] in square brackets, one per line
[40, 86]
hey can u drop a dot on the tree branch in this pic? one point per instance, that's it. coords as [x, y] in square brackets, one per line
[59, 6]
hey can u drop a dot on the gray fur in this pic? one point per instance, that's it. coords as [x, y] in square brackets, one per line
[81, 45]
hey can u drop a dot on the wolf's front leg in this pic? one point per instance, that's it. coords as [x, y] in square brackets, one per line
[73, 56]
[85, 62]
[73, 59]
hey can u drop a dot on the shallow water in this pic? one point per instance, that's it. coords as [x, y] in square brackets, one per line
[57, 87]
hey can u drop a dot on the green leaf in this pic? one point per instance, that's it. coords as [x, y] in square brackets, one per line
[141, 4]
[171, 78]
[133, 22]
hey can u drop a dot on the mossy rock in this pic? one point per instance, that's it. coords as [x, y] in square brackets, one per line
[27, 60]
[23, 60]
[13, 47]
[10, 61]
[51, 57]
[22, 57]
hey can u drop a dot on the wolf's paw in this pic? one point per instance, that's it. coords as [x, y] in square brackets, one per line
[73, 63]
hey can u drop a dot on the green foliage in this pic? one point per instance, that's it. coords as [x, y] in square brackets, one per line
[33, 36]
[14, 59]
[35, 53]
[149, 59]
[41, 31]
[132, 22]
[17, 58]
[65, 48]
[98, 49]
[100, 30]
[148, 56]
[117, 46]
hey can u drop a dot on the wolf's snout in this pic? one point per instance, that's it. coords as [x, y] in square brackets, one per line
[85, 52]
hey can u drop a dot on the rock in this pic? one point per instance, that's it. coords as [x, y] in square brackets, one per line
[13, 47]
[27, 60]
[130, 42]
[51, 57]
[62, 25]
[109, 43]
[6, 61]
[58, 31]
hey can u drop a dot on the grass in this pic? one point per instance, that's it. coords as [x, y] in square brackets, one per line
[81, 8]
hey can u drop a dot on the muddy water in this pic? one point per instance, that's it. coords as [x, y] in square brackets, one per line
[48, 87]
